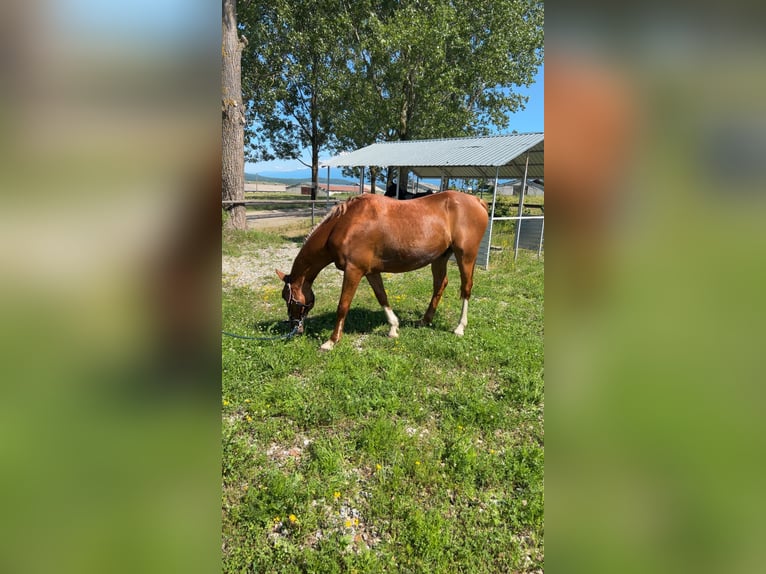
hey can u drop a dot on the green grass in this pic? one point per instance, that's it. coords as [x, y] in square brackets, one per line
[504, 205]
[420, 454]
[238, 243]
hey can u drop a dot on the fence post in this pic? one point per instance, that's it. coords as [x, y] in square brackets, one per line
[521, 209]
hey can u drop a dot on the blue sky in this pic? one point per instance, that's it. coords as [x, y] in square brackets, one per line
[139, 21]
[531, 119]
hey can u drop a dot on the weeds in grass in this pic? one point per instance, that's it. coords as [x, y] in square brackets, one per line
[420, 454]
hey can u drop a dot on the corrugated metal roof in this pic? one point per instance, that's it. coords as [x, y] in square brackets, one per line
[471, 157]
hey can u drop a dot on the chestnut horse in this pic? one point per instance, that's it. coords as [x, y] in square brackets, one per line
[371, 234]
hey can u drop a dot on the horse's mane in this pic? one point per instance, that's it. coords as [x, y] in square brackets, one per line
[336, 211]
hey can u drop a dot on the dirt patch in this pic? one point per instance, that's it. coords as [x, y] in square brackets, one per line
[275, 222]
[256, 269]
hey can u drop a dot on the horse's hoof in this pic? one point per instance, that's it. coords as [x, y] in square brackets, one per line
[393, 334]
[459, 331]
[327, 346]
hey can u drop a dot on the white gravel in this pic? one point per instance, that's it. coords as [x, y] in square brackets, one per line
[256, 269]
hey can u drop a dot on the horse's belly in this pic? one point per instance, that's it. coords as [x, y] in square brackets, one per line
[400, 262]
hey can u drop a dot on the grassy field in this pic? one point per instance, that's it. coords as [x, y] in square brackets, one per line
[417, 454]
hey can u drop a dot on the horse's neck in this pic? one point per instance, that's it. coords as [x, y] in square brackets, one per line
[311, 259]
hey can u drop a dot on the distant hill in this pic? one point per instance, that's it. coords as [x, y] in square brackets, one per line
[251, 177]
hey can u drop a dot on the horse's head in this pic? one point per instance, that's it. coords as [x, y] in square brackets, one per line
[299, 299]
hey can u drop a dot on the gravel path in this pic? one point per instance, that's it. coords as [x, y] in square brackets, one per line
[256, 269]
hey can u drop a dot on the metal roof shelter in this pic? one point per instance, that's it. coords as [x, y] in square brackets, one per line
[500, 156]
[464, 158]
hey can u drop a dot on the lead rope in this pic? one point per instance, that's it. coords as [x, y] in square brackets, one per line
[289, 335]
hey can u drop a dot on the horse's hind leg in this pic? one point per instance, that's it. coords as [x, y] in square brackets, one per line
[439, 273]
[466, 263]
[376, 282]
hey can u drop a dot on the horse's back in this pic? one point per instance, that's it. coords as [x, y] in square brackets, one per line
[460, 214]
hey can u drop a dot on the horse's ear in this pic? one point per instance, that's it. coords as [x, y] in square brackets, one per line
[280, 275]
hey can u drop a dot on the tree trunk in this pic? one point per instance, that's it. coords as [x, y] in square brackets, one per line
[314, 170]
[233, 119]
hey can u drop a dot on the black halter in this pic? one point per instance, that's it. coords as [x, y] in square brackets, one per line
[305, 307]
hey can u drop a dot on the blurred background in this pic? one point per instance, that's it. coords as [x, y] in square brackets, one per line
[656, 252]
[109, 255]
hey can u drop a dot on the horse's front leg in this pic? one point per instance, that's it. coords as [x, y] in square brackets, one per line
[376, 282]
[351, 278]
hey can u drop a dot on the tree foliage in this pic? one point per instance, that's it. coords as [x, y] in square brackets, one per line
[340, 74]
[290, 78]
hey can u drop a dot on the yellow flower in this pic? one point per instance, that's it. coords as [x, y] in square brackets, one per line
[293, 518]
[378, 467]
[347, 523]
[417, 463]
[247, 400]
[277, 519]
[225, 403]
[249, 419]
[356, 522]
[336, 495]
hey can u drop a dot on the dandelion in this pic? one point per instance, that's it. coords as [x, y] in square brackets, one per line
[378, 467]
[225, 403]
[336, 495]
[347, 523]
[277, 519]
[417, 463]
[492, 451]
[356, 522]
[293, 519]
[249, 418]
[247, 400]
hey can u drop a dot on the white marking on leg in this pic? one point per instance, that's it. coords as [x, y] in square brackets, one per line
[463, 319]
[393, 321]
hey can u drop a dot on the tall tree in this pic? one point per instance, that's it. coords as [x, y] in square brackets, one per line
[291, 78]
[233, 118]
[435, 68]
[341, 74]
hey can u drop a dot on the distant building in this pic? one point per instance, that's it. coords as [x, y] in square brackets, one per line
[535, 187]
[265, 187]
[305, 188]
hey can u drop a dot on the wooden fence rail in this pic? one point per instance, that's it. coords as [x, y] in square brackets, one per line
[312, 203]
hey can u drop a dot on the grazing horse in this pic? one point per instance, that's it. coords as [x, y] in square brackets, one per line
[370, 234]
